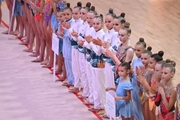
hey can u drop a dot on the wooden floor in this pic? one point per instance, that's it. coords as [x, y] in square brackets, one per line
[157, 21]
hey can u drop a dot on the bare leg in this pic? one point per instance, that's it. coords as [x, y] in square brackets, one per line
[46, 60]
[9, 5]
[28, 24]
[35, 31]
[24, 18]
[63, 77]
[145, 107]
[21, 26]
[0, 14]
[60, 64]
[51, 53]
[39, 42]
[17, 25]
[152, 114]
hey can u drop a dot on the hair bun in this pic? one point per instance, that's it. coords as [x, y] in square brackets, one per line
[141, 39]
[79, 4]
[127, 25]
[167, 60]
[111, 11]
[68, 5]
[171, 62]
[149, 48]
[129, 62]
[92, 8]
[88, 4]
[101, 15]
[161, 53]
[122, 14]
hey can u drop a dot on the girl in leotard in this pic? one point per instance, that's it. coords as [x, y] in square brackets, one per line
[167, 91]
[156, 65]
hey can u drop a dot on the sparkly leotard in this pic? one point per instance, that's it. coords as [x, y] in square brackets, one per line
[47, 17]
[37, 14]
[167, 114]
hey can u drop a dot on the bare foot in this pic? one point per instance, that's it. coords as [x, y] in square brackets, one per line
[34, 55]
[28, 50]
[37, 60]
[105, 116]
[45, 62]
[24, 38]
[101, 112]
[19, 37]
[23, 43]
[61, 79]
[75, 90]
[94, 110]
[65, 83]
[83, 97]
[47, 66]
[57, 72]
[16, 32]
[86, 102]
[80, 93]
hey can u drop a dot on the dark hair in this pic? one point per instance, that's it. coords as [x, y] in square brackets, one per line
[121, 18]
[148, 50]
[68, 7]
[127, 29]
[87, 7]
[100, 16]
[141, 42]
[92, 10]
[127, 24]
[127, 65]
[170, 64]
[158, 56]
[79, 5]
[111, 13]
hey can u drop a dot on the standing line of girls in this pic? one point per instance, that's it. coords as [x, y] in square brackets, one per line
[93, 62]
[100, 49]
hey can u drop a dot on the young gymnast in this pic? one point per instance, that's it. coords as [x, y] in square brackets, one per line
[31, 31]
[0, 12]
[137, 63]
[75, 53]
[81, 33]
[60, 59]
[108, 39]
[89, 32]
[98, 76]
[56, 5]
[155, 63]
[124, 104]
[47, 32]
[124, 50]
[38, 7]
[109, 75]
[167, 91]
[119, 22]
[67, 49]
[147, 73]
